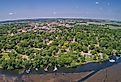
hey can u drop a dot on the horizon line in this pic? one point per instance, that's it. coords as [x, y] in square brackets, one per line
[34, 18]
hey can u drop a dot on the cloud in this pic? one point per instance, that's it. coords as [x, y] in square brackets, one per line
[11, 13]
[96, 3]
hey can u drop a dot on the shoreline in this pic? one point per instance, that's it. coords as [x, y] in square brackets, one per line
[82, 73]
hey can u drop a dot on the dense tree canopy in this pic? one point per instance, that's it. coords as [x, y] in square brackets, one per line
[61, 48]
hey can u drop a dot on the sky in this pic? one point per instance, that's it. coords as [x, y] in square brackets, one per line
[26, 9]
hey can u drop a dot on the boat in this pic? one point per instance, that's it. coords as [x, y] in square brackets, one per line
[28, 71]
[46, 69]
[36, 69]
[55, 69]
[112, 60]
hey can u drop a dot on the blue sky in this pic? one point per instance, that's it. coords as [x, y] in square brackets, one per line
[22, 9]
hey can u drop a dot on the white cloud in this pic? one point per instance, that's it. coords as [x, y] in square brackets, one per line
[11, 13]
[96, 3]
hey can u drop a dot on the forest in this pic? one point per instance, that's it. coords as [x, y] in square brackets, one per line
[65, 47]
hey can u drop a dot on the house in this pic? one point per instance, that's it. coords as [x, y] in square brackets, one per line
[87, 55]
[25, 57]
[101, 55]
[50, 42]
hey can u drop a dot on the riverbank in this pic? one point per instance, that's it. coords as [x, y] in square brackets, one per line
[111, 74]
[90, 72]
[51, 77]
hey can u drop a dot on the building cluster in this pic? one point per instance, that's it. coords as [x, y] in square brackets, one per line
[50, 25]
[45, 26]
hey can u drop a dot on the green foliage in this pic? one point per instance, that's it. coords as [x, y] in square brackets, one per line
[60, 48]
